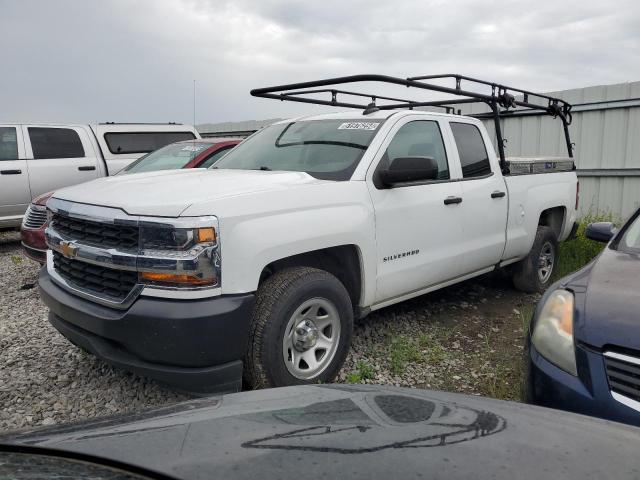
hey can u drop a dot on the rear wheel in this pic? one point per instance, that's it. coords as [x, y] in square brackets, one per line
[534, 273]
[300, 329]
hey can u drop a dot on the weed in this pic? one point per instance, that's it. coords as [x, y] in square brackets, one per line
[435, 353]
[576, 253]
[353, 377]
[16, 259]
[366, 371]
[403, 351]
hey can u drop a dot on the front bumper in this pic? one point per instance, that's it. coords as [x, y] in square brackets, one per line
[194, 345]
[588, 394]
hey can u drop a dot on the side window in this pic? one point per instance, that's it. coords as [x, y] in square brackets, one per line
[214, 157]
[8, 143]
[142, 142]
[49, 142]
[420, 138]
[471, 149]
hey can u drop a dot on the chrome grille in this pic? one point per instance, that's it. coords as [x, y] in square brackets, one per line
[35, 217]
[105, 235]
[623, 373]
[116, 284]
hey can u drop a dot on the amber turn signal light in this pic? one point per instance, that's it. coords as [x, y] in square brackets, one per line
[174, 279]
[206, 235]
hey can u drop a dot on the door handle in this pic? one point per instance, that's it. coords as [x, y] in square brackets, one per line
[497, 194]
[10, 172]
[452, 200]
[86, 168]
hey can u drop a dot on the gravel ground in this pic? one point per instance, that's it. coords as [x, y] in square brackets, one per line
[466, 338]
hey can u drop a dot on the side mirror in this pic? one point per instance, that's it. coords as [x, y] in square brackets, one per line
[409, 169]
[600, 231]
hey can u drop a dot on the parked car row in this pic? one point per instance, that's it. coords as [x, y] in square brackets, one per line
[200, 153]
[35, 159]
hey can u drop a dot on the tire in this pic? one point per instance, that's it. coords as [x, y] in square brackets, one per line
[527, 276]
[291, 302]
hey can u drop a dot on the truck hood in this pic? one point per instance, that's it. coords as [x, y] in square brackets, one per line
[168, 193]
[610, 315]
[355, 432]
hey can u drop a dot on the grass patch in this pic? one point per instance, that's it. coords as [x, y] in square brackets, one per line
[363, 371]
[576, 253]
[432, 348]
[16, 259]
[401, 352]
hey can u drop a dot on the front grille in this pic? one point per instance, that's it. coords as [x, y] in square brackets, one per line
[99, 280]
[35, 217]
[623, 375]
[121, 237]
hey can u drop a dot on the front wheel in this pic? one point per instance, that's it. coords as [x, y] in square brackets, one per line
[534, 273]
[300, 329]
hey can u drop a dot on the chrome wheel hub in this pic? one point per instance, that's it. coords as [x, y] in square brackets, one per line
[546, 261]
[311, 338]
[305, 335]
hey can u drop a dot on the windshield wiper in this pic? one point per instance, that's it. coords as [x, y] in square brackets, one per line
[263, 168]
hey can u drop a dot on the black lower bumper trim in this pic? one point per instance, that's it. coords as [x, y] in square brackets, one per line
[195, 345]
[220, 378]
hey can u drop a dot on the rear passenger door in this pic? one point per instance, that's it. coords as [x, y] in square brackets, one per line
[14, 176]
[58, 157]
[484, 195]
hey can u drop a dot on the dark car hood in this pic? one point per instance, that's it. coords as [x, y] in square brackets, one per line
[611, 307]
[354, 432]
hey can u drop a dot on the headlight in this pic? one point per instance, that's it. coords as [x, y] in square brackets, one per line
[183, 253]
[553, 331]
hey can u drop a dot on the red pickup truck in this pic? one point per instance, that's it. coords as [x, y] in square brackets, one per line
[200, 153]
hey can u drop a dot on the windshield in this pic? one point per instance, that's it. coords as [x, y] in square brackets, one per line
[630, 241]
[326, 149]
[173, 156]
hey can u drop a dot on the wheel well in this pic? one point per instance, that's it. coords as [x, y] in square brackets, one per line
[343, 262]
[553, 218]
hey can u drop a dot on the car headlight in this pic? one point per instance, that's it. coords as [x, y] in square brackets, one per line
[183, 253]
[553, 331]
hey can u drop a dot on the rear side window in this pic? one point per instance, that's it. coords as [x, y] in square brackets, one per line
[49, 142]
[142, 142]
[471, 149]
[8, 143]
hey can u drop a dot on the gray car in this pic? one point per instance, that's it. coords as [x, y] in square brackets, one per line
[332, 432]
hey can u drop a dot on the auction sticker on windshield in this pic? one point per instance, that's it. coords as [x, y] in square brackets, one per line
[358, 126]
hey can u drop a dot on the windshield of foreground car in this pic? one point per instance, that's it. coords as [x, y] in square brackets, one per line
[173, 156]
[630, 241]
[325, 149]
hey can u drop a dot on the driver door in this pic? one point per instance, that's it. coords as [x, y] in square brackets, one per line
[418, 225]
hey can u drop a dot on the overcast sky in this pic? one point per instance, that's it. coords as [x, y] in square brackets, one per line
[135, 60]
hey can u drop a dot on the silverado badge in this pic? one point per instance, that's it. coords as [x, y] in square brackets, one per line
[68, 249]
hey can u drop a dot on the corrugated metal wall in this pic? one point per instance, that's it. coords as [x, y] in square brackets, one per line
[606, 132]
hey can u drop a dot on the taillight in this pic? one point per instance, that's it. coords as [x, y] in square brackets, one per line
[577, 194]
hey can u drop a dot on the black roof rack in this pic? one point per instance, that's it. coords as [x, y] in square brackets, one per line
[503, 101]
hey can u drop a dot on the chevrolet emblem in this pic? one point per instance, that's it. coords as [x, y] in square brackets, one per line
[68, 249]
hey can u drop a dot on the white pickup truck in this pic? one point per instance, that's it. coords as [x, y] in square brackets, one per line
[38, 158]
[257, 268]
